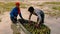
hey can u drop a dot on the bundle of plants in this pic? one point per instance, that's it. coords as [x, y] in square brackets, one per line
[42, 29]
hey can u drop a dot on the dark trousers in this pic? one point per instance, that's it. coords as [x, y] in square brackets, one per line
[42, 19]
[14, 20]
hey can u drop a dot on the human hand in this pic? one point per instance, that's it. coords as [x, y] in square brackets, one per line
[29, 22]
[36, 25]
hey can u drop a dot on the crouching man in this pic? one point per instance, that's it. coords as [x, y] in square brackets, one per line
[13, 16]
[37, 12]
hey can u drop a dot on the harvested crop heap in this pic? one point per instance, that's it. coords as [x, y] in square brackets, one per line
[43, 29]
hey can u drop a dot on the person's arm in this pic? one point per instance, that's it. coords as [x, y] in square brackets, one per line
[20, 16]
[39, 19]
[30, 16]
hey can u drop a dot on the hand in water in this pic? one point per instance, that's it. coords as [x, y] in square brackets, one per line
[36, 25]
[29, 22]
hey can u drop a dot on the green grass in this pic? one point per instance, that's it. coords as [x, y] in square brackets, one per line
[57, 13]
[23, 5]
[51, 14]
[2, 5]
[56, 8]
[10, 5]
[52, 3]
[40, 5]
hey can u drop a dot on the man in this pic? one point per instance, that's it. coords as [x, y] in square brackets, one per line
[14, 13]
[15, 26]
[37, 12]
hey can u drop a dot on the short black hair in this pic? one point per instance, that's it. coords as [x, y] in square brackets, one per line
[31, 9]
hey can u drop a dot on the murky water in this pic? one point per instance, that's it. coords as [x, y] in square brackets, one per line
[5, 25]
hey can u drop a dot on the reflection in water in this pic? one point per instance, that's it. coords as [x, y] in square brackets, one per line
[15, 28]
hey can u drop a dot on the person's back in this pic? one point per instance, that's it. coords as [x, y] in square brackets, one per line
[39, 13]
[14, 13]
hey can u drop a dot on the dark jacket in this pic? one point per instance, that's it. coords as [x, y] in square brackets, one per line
[14, 12]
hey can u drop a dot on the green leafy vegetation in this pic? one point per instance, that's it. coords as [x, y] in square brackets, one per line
[43, 29]
[30, 27]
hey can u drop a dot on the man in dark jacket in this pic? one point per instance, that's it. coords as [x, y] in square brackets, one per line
[14, 13]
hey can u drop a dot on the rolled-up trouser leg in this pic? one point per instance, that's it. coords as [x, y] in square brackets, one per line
[15, 28]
